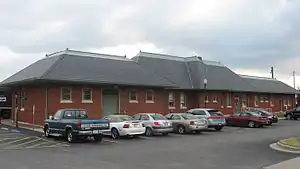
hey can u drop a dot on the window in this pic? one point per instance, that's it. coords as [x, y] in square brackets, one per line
[255, 100]
[288, 101]
[228, 100]
[66, 95]
[87, 95]
[198, 112]
[215, 99]
[133, 96]
[284, 102]
[145, 117]
[171, 100]
[69, 115]
[149, 96]
[23, 98]
[136, 117]
[175, 117]
[182, 100]
[57, 115]
[206, 99]
[272, 101]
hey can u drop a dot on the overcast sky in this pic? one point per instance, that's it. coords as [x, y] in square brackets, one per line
[249, 36]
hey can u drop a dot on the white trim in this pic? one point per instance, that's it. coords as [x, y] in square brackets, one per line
[149, 101]
[133, 101]
[82, 95]
[22, 109]
[61, 94]
[172, 108]
[229, 107]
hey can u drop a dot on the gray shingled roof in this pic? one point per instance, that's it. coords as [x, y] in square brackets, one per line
[189, 72]
[86, 67]
[269, 85]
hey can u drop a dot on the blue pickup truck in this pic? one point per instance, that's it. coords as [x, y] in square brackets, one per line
[74, 124]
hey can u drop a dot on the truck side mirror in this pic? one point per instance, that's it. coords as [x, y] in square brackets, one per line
[51, 117]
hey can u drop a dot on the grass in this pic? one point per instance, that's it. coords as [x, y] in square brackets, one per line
[293, 141]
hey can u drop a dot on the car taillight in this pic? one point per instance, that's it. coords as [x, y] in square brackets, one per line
[126, 126]
[192, 123]
[156, 123]
[79, 124]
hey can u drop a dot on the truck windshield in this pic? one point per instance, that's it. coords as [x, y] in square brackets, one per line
[81, 114]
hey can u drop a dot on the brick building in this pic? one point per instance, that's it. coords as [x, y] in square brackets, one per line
[106, 84]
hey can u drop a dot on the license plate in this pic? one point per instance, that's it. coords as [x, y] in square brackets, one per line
[95, 131]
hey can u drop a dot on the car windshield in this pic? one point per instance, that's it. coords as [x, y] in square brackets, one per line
[158, 117]
[263, 112]
[120, 118]
[81, 114]
[188, 116]
[215, 113]
[254, 113]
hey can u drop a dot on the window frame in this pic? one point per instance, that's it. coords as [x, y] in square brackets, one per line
[256, 101]
[228, 100]
[215, 99]
[61, 95]
[130, 96]
[183, 100]
[272, 100]
[22, 100]
[147, 92]
[288, 101]
[171, 100]
[83, 100]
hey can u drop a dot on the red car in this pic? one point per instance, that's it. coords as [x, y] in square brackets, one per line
[250, 119]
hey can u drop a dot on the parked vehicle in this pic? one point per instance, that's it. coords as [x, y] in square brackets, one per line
[74, 124]
[186, 123]
[155, 123]
[293, 114]
[272, 118]
[214, 117]
[123, 125]
[5, 103]
[250, 119]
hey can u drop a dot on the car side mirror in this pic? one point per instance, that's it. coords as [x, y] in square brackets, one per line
[51, 117]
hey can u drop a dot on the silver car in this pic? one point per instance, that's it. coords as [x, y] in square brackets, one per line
[155, 123]
[215, 118]
[186, 123]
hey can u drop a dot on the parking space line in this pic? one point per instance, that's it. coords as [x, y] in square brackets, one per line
[111, 141]
[8, 143]
[21, 144]
[36, 145]
[55, 145]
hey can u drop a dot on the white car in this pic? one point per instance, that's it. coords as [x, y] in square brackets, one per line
[123, 125]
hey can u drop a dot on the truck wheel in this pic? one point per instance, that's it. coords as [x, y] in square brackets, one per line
[289, 117]
[70, 137]
[98, 138]
[46, 131]
[218, 128]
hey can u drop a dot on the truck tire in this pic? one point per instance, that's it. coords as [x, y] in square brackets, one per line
[289, 117]
[70, 136]
[46, 131]
[218, 128]
[98, 138]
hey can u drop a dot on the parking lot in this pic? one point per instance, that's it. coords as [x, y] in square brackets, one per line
[232, 148]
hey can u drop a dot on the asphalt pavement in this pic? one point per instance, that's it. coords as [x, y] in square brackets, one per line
[232, 148]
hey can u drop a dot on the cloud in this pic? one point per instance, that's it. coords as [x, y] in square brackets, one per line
[249, 35]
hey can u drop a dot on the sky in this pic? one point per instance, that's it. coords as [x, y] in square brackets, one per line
[248, 36]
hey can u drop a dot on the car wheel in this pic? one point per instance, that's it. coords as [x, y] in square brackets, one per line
[289, 117]
[115, 133]
[70, 137]
[98, 138]
[218, 128]
[251, 124]
[165, 134]
[180, 130]
[47, 131]
[148, 132]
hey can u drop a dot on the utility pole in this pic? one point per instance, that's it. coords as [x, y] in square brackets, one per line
[272, 72]
[294, 79]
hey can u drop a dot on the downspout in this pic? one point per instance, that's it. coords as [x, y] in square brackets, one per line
[46, 107]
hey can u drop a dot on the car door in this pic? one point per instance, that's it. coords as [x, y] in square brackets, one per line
[66, 120]
[146, 120]
[176, 120]
[54, 123]
[243, 119]
[231, 120]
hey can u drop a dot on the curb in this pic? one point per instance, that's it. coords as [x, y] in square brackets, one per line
[27, 128]
[280, 147]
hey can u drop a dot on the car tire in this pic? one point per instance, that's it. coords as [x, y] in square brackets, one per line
[165, 134]
[289, 117]
[251, 124]
[148, 132]
[47, 131]
[218, 128]
[70, 136]
[115, 133]
[181, 129]
[98, 138]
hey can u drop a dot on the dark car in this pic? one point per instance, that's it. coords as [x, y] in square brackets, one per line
[293, 114]
[250, 119]
[273, 118]
[74, 124]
